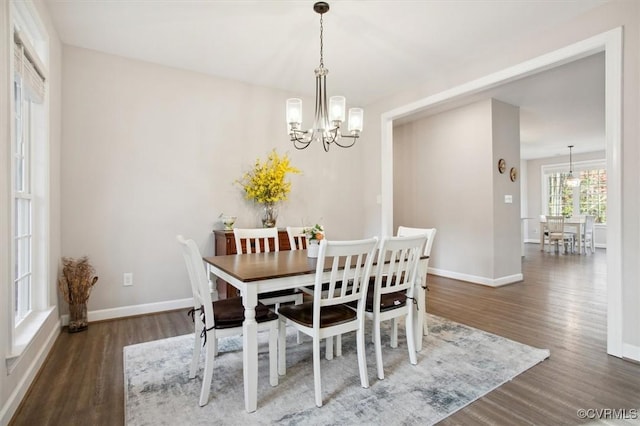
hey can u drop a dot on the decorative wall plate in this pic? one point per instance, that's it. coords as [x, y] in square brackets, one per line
[502, 165]
[513, 174]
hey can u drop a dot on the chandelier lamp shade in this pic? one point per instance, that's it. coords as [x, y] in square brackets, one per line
[329, 117]
[571, 181]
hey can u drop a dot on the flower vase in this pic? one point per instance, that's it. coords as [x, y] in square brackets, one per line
[269, 215]
[313, 248]
[78, 317]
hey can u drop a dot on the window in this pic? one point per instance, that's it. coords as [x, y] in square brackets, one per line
[590, 198]
[29, 176]
[22, 203]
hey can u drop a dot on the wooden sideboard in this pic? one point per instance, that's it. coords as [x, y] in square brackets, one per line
[225, 243]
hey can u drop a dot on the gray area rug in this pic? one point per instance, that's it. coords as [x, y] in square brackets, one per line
[457, 365]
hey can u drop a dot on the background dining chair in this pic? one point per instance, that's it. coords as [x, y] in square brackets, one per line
[258, 240]
[393, 289]
[405, 231]
[219, 319]
[328, 314]
[587, 237]
[297, 237]
[557, 234]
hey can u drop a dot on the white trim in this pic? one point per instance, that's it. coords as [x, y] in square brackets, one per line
[631, 352]
[19, 392]
[491, 282]
[611, 43]
[128, 311]
[577, 166]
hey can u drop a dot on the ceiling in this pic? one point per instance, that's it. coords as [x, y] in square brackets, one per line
[373, 48]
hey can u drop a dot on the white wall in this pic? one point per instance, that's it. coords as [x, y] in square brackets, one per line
[441, 174]
[446, 177]
[150, 152]
[16, 376]
[505, 137]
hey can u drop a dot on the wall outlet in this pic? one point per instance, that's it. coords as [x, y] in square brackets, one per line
[127, 279]
[508, 199]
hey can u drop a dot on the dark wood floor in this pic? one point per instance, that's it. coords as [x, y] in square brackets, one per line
[559, 306]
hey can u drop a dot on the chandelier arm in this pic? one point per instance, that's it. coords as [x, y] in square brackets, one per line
[300, 143]
[353, 137]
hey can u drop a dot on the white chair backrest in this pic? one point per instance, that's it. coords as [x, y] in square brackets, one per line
[256, 240]
[555, 224]
[297, 237]
[404, 231]
[397, 265]
[198, 278]
[349, 262]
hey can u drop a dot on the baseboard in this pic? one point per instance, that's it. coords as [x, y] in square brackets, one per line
[491, 282]
[14, 400]
[128, 311]
[631, 352]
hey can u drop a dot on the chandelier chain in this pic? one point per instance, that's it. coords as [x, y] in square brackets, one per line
[321, 43]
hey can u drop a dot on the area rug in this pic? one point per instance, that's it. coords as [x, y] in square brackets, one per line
[457, 365]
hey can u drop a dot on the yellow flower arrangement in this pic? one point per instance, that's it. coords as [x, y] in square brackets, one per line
[266, 183]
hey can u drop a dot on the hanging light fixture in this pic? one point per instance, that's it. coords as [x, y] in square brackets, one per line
[328, 118]
[571, 181]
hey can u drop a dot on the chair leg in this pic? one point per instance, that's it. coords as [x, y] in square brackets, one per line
[339, 345]
[316, 370]
[425, 326]
[282, 345]
[197, 342]
[362, 357]
[378, 345]
[298, 301]
[208, 372]
[411, 337]
[328, 348]
[273, 353]
[394, 333]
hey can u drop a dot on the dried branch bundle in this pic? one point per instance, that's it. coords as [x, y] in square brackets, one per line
[76, 280]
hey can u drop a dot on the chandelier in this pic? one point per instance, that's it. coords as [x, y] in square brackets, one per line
[571, 181]
[328, 117]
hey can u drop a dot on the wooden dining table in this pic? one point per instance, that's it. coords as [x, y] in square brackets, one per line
[257, 273]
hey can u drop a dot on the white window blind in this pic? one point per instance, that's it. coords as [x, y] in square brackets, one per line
[29, 67]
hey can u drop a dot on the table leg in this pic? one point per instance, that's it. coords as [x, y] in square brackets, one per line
[250, 350]
[579, 235]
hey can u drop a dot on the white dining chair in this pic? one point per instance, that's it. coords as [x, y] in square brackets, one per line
[222, 318]
[557, 233]
[328, 314]
[588, 236]
[297, 237]
[259, 240]
[393, 290]
[405, 231]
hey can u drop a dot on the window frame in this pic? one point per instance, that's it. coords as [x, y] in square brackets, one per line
[25, 20]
